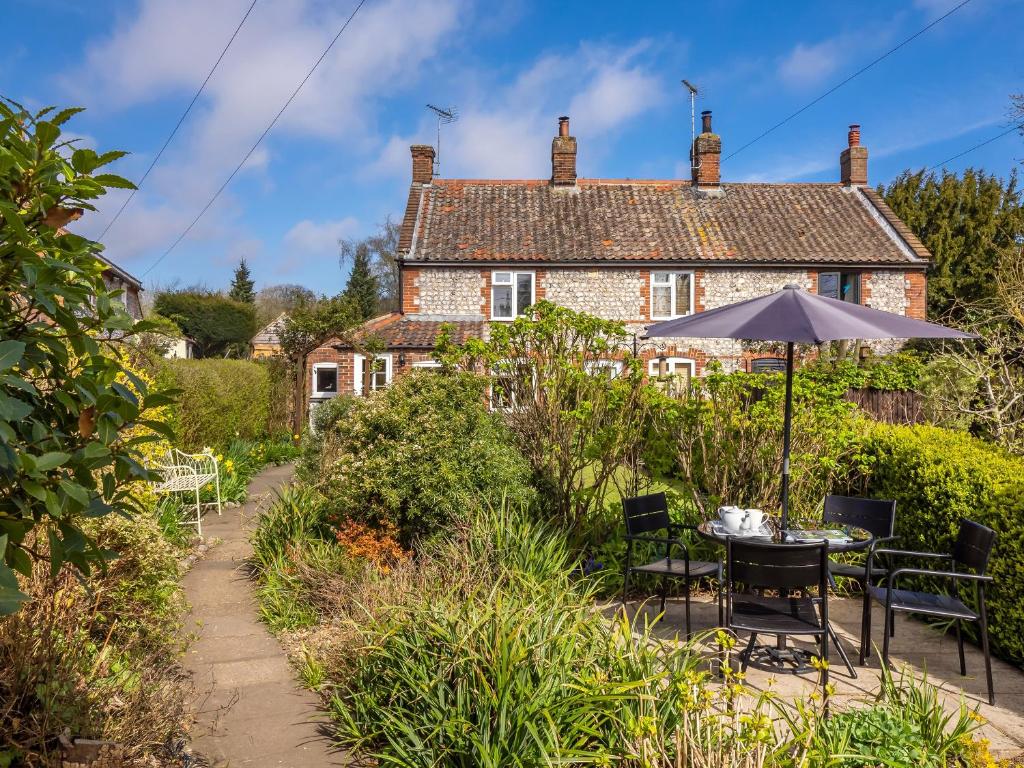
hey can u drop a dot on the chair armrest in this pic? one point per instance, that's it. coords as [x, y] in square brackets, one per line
[662, 540]
[943, 574]
[908, 553]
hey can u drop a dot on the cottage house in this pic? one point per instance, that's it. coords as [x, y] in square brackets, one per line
[117, 279]
[476, 252]
[267, 341]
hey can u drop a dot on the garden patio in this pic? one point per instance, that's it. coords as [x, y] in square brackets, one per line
[916, 647]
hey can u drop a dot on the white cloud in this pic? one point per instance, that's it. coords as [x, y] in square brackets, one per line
[320, 237]
[810, 64]
[164, 51]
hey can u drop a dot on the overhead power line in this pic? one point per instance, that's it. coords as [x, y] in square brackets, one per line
[856, 74]
[1008, 131]
[258, 141]
[178, 124]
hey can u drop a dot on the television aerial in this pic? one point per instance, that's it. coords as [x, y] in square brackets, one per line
[445, 115]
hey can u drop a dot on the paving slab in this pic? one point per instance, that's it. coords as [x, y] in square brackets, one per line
[251, 711]
[916, 646]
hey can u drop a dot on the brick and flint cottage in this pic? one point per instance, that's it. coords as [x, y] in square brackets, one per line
[475, 252]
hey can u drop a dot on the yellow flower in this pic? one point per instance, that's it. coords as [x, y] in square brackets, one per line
[219, 457]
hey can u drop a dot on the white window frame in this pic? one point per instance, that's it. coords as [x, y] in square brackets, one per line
[426, 364]
[513, 274]
[654, 366]
[359, 370]
[323, 366]
[672, 273]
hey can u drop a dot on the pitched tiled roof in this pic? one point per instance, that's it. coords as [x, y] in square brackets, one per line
[410, 332]
[600, 220]
[271, 332]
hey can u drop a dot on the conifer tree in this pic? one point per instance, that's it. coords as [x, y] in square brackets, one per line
[242, 285]
[362, 290]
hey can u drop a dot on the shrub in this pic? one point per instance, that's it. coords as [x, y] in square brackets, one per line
[419, 455]
[219, 401]
[216, 323]
[937, 477]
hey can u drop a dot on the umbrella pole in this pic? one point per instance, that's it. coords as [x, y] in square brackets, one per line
[787, 425]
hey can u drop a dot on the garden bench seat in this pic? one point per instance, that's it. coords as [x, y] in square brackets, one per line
[188, 474]
[926, 603]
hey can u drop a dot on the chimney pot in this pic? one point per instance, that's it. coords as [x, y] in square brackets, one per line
[563, 156]
[853, 161]
[422, 163]
[705, 121]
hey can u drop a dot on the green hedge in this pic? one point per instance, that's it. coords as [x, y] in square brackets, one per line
[939, 476]
[220, 401]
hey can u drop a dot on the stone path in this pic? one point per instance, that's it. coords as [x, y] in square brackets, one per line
[252, 711]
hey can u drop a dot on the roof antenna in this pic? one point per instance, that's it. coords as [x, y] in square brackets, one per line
[693, 121]
[445, 115]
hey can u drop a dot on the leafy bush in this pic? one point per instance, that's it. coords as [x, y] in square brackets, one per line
[937, 477]
[899, 371]
[219, 401]
[217, 324]
[419, 455]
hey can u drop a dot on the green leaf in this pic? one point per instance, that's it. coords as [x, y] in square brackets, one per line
[66, 114]
[11, 353]
[11, 597]
[34, 489]
[13, 409]
[77, 492]
[112, 180]
[52, 460]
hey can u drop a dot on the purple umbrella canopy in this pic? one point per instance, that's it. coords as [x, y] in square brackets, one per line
[805, 318]
[797, 317]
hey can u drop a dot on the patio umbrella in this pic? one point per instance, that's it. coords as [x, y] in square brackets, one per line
[797, 317]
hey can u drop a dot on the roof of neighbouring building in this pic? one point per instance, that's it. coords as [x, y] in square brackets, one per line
[601, 221]
[121, 273]
[396, 331]
[271, 332]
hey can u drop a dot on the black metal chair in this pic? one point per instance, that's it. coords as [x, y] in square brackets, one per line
[756, 567]
[972, 550]
[877, 516]
[646, 515]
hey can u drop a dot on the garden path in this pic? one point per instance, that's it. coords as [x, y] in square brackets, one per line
[916, 645]
[251, 710]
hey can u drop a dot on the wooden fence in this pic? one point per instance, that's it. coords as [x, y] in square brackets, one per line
[889, 406]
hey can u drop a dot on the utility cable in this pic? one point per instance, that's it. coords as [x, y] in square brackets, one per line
[258, 141]
[178, 125]
[859, 72]
[1018, 127]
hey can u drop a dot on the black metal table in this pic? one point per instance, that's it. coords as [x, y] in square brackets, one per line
[778, 657]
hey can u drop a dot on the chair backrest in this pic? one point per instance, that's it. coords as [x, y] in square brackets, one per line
[645, 513]
[777, 566]
[974, 543]
[875, 515]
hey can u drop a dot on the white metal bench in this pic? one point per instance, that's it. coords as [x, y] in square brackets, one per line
[188, 474]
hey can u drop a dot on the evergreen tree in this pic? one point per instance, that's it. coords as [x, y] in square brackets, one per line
[970, 223]
[362, 290]
[242, 285]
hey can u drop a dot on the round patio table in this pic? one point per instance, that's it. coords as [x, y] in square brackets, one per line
[778, 657]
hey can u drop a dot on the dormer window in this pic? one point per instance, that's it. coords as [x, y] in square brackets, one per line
[511, 294]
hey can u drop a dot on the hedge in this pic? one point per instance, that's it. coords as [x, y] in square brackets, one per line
[939, 476]
[220, 401]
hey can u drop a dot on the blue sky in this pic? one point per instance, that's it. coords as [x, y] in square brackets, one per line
[338, 161]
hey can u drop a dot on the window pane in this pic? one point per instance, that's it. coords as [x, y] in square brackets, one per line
[828, 285]
[683, 293]
[504, 278]
[662, 278]
[501, 301]
[524, 292]
[326, 379]
[849, 284]
[661, 301]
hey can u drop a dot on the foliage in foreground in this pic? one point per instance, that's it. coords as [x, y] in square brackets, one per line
[419, 455]
[486, 650]
[66, 399]
[939, 476]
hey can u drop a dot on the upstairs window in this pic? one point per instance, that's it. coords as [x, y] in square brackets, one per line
[511, 294]
[671, 295]
[840, 285]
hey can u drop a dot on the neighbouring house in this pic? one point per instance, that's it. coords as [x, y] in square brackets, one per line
[182, 348]
[476, 252]
[267, 341]
[116, 278]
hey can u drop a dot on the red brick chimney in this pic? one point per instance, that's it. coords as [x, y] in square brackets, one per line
[706, 155]
[422, 163]
[853, 162]
[563, 156]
